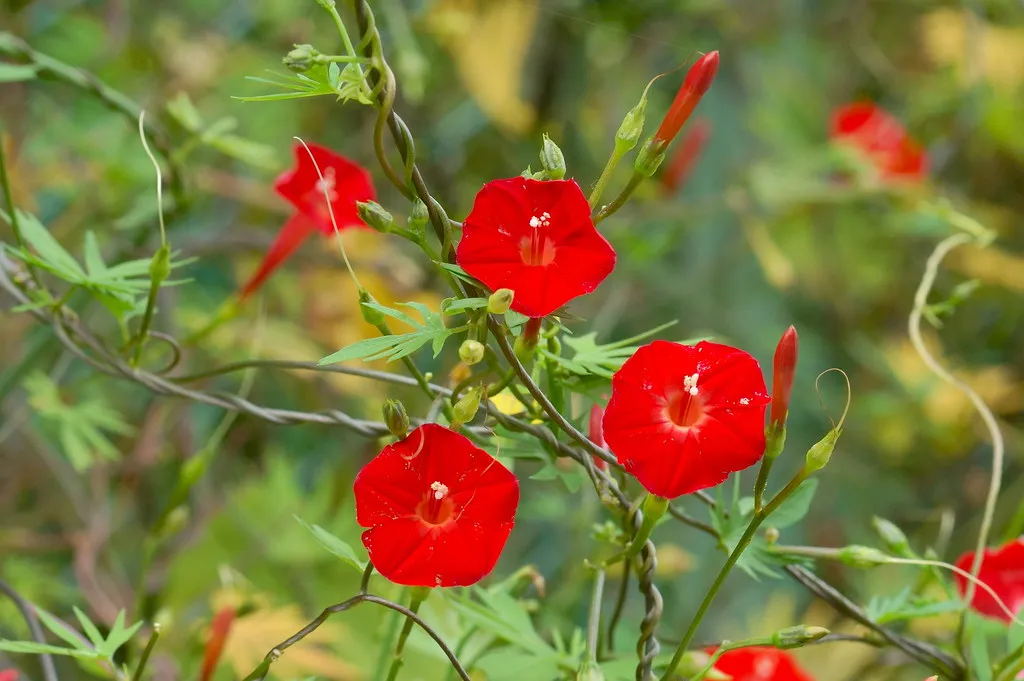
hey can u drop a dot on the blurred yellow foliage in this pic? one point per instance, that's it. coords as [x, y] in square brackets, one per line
[953, 38]
[488, 41]
[990, 265]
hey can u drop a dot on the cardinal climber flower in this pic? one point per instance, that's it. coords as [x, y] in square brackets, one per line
[683, 417]
[1002, 570]
[595, 432]
[344, 183]
[760, 664]
[536, 238]
[439, 509]
[8, 674]
[882, 138]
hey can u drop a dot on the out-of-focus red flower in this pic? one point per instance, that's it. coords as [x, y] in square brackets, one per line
[698, 80]
[882, 138]
[8, 674]
[595, 433]
[536, 238]
[219, 630]
[760, 664]
[783, 371]
[685, 157]
[345, 183]
[439, 509]
[683, 417]
[1003, 570]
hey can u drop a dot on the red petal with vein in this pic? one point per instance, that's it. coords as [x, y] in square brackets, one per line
[288, 239]
[438, 508]
[683, 417]
[1003, 570]
[760, 664]
[345, 182]
[536, 238]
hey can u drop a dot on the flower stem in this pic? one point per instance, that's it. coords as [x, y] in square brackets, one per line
[621, 199]
[730, 563]
[594, 619]
[606, 175]
[762, 482]
[419, 595]
[654, 507]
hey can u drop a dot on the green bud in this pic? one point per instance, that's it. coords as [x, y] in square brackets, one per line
[370, 316]
[374, 215]
[551, 159]
[862, 556]
[589, 671]
[632, 127]
[471, 352]
[794, 637]
[396, 418]
[693, 662]
[418, 218]
[771, 535]
[302, 58]
[892, 536]
[160, 265]
[821, 451]
[524, 347]
[775, 440]
[650, 157]
[193, 469]
[326, 4]
[176, 521]
[500, 301]
[465, 409]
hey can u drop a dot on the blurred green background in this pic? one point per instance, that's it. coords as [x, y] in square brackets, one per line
[756, 239]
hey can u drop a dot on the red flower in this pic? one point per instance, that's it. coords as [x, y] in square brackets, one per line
[595, 432]
[698, 81]
[685, 157]
[882, 138]
[438, 509]
[345, 182]
[760, 664]
[683, 417]
[1003, 570]
[8, 674]
[536, 238]
[219, 630]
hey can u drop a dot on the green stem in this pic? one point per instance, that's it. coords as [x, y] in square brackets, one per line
[390, 639]
[340, 59]
[606, 175]
[147, 320]
[621, 199]
[654, 508]
[730, 563]
[762, 482]
[419, 594]
[5, 182]
[137, 676]
[594, 619]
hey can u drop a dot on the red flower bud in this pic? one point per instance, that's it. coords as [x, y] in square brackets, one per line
[782, 376]
[686, 156]
[595, 431]
[219, 630]
[697, 82]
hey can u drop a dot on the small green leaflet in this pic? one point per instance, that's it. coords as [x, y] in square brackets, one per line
[600, 360]
[460, 273]
[457, 305]
[906, 606]
[12, 73]
[792, 510]
[345, 83]
[335, 545]
[217, 134]
[97, 647]
[431, 330]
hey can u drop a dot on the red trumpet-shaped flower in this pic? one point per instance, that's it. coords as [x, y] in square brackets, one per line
[438, 509]
[683, 417]
[882, 138]
[698, 81]
[344, 183]
[8, 674]
[1002, 570]
[536, 238]
[761, 664]
[783, 371]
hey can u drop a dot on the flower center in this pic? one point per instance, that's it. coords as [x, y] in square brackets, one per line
[436, 508]
[538, 250]
[686, 408]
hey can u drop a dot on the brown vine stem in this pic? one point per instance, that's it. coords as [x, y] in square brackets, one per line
[28, 612]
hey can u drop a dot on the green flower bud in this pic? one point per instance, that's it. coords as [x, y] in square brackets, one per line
[465, 409]
[471, 352]
[821, 451]
[794, 637]
[418, 218]
[370, 316]
[175, 523]
[374, 215]
[302, 58]
[862, 556]
[500, 301]
[632, 127]
[650, 157]
[774, 440]
[396, 418]
[551, 159]
[892, 536]
[771, 535]
[589, 671]
[160, 265]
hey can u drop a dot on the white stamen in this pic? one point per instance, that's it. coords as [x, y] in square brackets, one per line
[440, 490]
[542, 220]
[744, 400]
[327, 184]
[690, 384]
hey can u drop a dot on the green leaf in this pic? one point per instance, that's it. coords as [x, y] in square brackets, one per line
[61, 630]
[591, 359]
[51, 252]
[904, 605]
[514, 320]
[457, 305]
[94, 265]
[184, 111]
[792, 510]
[980, 662]
[430, 330]
[89, 628]
[13, 73]
[461, 274]
[119, 634]
[511, 664]
[335, 545]
[33, 648]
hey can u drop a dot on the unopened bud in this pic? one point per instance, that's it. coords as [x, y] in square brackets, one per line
[465, 409]
[698, 80]
[371, 316]
[374, 215]
[471, 352]
[551, 159]
[891, 535]
[771, 535]
[176, 521]
[418, 218]
[650, 157]
[862, 556]
[632, 127]
[160, 265]
[694, 662]
[821, 451]
[784, 368]
[396, 418]
[500, 301]
[301, 58]
[589, 671]
[794, 637]
[774, 440]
